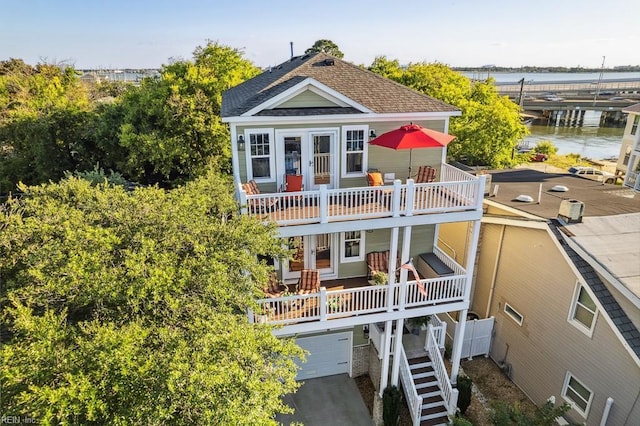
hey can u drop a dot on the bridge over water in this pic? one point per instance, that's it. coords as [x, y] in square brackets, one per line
[573, 98]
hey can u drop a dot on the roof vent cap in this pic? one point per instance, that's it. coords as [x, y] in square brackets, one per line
[559, 188]
[524, 198]
[329, 62]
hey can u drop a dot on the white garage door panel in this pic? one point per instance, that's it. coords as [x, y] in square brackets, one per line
[328, 354]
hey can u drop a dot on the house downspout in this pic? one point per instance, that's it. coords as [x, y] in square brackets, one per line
[605, 414]
[495, 271]
[235, 161]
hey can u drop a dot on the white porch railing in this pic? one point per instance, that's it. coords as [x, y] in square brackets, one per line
[449, 394]
[414, 400]
[439, 328]
[457, 191]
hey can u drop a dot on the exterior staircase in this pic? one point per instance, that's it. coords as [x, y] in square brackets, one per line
[434, 410]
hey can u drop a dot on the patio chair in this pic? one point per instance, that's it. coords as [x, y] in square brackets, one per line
[383, 197]
[292, 183]
[309, 281]
[426, 174]
[375, 179]
[274, 288]
[378, 261]
[260, 205]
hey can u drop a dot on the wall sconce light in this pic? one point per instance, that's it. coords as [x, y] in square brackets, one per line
[240, 143]
[372, 134]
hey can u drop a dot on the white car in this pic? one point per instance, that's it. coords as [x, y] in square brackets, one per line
[593, 174]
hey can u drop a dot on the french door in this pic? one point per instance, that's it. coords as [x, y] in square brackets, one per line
[311, 252]
[311, 153]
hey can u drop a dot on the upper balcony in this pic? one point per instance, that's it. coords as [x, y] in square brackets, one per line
[456, 191]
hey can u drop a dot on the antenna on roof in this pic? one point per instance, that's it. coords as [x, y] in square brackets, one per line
[291, 44]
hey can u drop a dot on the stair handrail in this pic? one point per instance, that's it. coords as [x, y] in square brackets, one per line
[449, 394]
[414, 400]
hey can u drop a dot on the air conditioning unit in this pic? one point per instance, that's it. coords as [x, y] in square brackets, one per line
[571, 211]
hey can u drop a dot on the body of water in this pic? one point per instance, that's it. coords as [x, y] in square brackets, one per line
[597, 143]
[589, 140]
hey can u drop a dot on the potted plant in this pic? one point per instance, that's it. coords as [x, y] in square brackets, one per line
[379, 278]
[419, 323]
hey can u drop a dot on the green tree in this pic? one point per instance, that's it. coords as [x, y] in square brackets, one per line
[488, 129]
[546, 147]
[130, 307]
[45, 123]
[325, 46]
[171, 127]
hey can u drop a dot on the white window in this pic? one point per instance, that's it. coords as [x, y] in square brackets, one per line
[513, 314]
[583, 311]
[354, 153]
[634, 126]
[351, 246]
[577, 394]
[260, 155]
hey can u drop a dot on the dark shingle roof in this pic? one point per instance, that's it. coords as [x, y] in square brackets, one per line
[375, 92]
[629, 331]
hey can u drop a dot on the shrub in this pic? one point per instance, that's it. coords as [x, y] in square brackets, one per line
[464, 396]
[391, 400]
[546, 147]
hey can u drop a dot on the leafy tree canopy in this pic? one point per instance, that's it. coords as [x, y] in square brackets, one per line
[171, 126]
[325, 46]
[490, 126]
[130, 307]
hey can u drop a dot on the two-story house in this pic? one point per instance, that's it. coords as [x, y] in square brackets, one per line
[560, 275]
[301, 157]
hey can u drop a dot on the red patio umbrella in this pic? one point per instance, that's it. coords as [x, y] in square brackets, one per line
[412, 136]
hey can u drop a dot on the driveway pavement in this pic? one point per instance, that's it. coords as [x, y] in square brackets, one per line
[332, 400]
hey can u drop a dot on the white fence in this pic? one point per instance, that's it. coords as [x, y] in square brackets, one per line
[477, 336]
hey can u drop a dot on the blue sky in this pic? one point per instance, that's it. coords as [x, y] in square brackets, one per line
[145, 34]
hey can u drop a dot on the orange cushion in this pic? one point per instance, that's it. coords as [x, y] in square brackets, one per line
[375, 179]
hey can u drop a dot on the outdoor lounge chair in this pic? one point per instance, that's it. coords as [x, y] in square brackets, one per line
[292, 183]
[259, 205]
[309, 281]
[274, 288]
[378, 261]
[426, 174]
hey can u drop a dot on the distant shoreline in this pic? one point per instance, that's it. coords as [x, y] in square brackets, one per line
[531, 69]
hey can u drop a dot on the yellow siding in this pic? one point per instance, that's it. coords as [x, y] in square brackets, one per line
[453, 239]
[485, 267]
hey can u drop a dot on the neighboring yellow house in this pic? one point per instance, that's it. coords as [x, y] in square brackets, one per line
[629, 158]
[561, 276]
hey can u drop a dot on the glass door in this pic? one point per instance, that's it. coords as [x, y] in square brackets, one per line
[322, 159]
[310, 252]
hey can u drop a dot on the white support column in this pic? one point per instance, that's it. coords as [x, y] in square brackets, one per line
[456, 351]
[471, 259]
[386, 352]
[324, 207]
[393, 255]
[397, 347]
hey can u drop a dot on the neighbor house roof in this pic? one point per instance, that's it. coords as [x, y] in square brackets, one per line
[377, 93]
[599, 199]
[625, 326]
[632, 108]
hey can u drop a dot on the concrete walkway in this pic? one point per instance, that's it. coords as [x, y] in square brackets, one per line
[332, 400]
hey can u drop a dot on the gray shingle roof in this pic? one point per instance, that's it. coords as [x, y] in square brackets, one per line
[632, 108]
[629, 331]
[375, 92]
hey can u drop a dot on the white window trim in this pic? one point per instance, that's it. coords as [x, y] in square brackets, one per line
[343, 151]
[272, 153]
[574, 303]
[343, 257]
[570, 401]
[517, 320]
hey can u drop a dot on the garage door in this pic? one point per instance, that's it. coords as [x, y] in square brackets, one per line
[328, 354]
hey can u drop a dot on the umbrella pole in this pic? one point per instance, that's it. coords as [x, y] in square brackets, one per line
[410, 152]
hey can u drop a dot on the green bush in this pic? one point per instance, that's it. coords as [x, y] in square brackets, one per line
[391, 401]
[464, 396]
[546, 147]
[504, 414]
